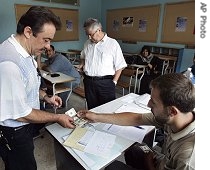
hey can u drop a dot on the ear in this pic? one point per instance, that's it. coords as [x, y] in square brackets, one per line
[28, 32]
[172, 111]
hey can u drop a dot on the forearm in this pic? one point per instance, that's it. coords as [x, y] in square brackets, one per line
[117, 75]
[39, 116]
[125, 118]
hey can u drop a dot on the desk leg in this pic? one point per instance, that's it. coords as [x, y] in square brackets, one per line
[64, 160]
[68, 95]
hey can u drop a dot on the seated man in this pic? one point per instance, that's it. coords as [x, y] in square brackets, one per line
[172, 106]
[59, 63]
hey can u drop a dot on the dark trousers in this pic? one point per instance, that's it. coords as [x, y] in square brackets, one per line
[19, 153]
[98, 92]
[134, 158]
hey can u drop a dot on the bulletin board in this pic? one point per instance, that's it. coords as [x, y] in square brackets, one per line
[179, 23]
[69, 19]
[134, 24]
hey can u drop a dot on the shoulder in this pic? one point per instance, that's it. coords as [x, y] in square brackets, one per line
[8, 66]
[9, 69]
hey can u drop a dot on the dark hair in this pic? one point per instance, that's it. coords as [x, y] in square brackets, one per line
[175, 90]
[146, 48]
[53, 48]
[35, 18]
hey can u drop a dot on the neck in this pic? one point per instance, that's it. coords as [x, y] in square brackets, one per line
[101, 36]
[22, 41]
[182, 122]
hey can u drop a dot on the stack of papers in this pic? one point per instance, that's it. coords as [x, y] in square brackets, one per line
[91, 141]
[143, 100]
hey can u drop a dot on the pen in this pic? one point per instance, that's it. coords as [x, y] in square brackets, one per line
[139, 127]
[109, 127]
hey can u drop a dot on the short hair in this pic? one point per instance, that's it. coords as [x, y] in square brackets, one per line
[92, 24]
[35, 18]
[146, 48]
[175, 90]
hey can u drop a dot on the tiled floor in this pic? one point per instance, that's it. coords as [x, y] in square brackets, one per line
[44, 150]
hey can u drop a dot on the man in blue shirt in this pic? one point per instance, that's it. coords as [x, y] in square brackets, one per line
[59, 63]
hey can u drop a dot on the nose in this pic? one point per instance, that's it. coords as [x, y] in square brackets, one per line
[47, 46]
[149, 104]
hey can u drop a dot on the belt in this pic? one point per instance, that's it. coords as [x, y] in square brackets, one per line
[99, 77]
[13, 129]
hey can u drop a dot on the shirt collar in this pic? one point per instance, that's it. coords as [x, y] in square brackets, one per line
[104, 38]
[189, 129]
[18, 47]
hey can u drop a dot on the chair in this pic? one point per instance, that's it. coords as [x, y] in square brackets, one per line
[80, 91]
[125, 80]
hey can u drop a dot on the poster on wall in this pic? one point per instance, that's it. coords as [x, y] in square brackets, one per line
[69, 25]
[181, 24]
[116, 25]
[127, 22]
[142, 25]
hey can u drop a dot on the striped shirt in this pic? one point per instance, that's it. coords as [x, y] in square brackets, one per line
[19, 83]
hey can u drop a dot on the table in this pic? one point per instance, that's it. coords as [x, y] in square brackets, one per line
[71, 54]
[58, 83]
[67, 158]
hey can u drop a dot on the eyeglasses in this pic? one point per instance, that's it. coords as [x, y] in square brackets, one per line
[91, 35]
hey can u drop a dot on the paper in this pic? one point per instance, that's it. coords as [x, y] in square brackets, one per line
[128, 99]
[129, 132]
[93, 142]
[143, 100]
[74, 137]
[131, 107]
[89, 162]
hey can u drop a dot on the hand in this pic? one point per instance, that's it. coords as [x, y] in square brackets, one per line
[80, 68]
[150, 66]
[86, 114]
[54, 100]
[66, 121]
[149, 160]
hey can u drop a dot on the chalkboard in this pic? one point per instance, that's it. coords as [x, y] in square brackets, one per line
[69, 19]
[134, 24]
[179, 23]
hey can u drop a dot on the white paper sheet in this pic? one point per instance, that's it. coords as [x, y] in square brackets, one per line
[100, 144]
[128, 132]
[131, 107]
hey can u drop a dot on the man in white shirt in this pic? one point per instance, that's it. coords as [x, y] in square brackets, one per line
[102, 62]
[20, 92]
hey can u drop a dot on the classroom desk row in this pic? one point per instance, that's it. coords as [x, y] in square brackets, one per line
[57, 80]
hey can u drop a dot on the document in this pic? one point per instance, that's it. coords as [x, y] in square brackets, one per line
[143, 100]
[133, 133]
[132, 107]
[91, 141]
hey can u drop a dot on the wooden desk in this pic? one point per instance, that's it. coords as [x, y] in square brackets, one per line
[169, 63]
[68, 158]
[58, 83]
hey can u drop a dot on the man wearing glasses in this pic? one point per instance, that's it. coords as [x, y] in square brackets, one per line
[102, 62]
